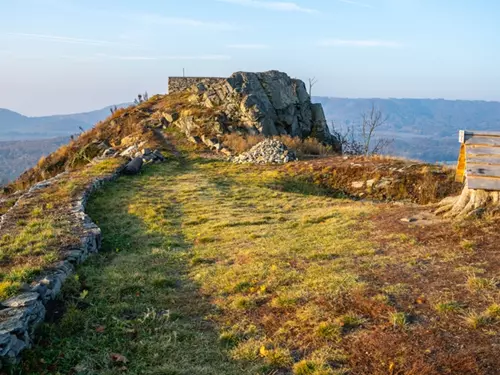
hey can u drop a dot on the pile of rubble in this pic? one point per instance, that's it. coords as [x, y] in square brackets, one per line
[269, 151]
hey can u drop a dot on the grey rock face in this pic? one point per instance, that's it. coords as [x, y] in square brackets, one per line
[269, 103]
[268, 151]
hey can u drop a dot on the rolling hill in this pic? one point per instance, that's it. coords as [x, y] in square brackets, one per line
[14, 126]
[425, 129]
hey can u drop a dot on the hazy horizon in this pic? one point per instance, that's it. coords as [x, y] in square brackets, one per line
[69, 57]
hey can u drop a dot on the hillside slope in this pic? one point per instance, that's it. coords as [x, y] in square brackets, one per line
[18, 156]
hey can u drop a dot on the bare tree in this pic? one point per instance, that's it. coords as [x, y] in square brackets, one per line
[359, 139]
[370, 122]
[312, 82]
[348, 139]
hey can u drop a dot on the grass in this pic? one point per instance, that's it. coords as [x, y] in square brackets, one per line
[40, 228]
[158, 259]
[214, 268]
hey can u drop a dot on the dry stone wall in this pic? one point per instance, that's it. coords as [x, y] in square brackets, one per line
[20, 314]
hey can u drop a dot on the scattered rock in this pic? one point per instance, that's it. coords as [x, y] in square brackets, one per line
[369, 183]
[194, 139]
[134, 166]
[171, 117]
[408, 220]
[268, 151]
[357, 184]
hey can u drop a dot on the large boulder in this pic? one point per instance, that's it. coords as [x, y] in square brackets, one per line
[134, 166]
[269, 103]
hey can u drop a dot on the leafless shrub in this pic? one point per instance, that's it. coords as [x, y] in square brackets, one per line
[361, 139]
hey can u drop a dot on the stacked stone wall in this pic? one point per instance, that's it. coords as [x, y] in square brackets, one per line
[20, 315]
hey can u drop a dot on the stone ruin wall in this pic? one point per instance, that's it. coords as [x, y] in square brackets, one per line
[21, 314]
[177, 84]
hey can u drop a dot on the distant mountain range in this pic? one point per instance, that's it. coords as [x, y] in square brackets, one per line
[424, 129]
[24, 140]
[14, 126]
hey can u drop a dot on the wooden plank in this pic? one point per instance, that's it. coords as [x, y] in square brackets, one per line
[484, 183]
[482, 141]
[483, 159]
[460, 173]
[481, 133]
[483, 170]
[481, 150]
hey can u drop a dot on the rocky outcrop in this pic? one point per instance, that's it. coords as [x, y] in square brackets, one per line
[269, 103]
[268, 151]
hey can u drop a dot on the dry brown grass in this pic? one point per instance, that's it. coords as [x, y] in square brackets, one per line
[379, 177]
[304, 147]
[132, 122]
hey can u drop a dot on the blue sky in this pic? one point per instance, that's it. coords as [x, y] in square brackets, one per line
[62, 56]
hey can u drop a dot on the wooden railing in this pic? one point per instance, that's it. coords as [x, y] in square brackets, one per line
[479, 160]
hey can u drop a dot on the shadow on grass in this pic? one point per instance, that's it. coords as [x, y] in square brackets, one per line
[304, 185]
[133, 308]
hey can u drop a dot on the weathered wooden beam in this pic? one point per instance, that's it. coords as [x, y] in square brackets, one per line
[482, 150]
[483, 183]
[481, 140]
[483, 170]
[483, 159]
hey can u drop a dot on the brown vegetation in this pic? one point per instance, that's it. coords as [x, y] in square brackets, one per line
[305, 148]
[379, 178]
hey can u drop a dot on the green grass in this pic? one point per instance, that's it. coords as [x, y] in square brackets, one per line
[193, 255]
[40, 227]
[214, 268]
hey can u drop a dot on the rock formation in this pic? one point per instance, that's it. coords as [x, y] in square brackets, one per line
[269, 103]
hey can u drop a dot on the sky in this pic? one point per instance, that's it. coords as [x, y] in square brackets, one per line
[65, 56]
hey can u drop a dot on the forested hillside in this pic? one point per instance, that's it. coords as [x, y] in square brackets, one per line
[425, 129]
[17, 156]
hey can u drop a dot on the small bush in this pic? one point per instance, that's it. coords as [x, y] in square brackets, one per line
[475, 283]
[247, 350]
[328, 331]
[276, 358]
[476, 321]
[448, 307]
[398, 319]
[493, 311]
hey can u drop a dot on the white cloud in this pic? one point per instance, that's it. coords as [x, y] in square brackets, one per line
[248, 46]
[358, 43]
[180, 21]
[356, 3]
[271, 5]
[62, 39]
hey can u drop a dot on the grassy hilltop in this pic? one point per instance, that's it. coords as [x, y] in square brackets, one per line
[209, 267]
